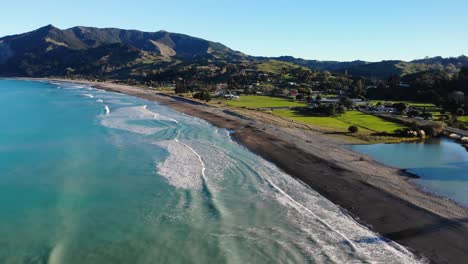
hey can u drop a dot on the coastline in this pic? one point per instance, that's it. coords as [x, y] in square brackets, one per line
[378, 196]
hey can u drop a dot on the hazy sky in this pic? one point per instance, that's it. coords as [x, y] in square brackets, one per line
[326, 29]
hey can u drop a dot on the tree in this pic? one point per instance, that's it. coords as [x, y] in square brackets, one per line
[346, 102]
[358, 90]
[353, 129]
[331, 110]
[181, 88]
[318, 98]
[203, 95]
[340, 110]
[70, 70]
[400, 107]
[414, 113]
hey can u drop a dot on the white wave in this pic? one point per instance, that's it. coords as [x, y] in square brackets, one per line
[100, 101]
[340, 237]
[183, 168]
[88, 95]
[212, 162]
[120, 118]
[107, 109]
[57, 254]
[228, 134]
[159, 116]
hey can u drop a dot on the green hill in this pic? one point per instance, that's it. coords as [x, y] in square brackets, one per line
[51, 51]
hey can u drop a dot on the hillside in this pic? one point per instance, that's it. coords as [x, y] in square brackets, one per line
[123, 54]
[322, 65]
[85, 50]
[383, 69]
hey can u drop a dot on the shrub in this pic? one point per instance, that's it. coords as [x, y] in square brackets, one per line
[340, 110]
[414, 113]
[197, 96]
[434, 129]
[353, 129]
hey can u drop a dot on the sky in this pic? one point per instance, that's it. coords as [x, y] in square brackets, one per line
[344, 30]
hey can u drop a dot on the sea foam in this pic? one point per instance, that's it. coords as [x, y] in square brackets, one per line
[320, 220]
[193, 163]
[120, 118]
[183, 168]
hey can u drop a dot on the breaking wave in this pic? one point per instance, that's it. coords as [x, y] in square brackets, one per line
[121, 118]
[184, 168]
[323, 221]
[107, 109]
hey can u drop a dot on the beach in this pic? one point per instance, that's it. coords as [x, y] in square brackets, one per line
[380, 197]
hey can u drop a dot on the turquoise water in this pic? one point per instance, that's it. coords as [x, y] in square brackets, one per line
[89, 176]
[442, 164]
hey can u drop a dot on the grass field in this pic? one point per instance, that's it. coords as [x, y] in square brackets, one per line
[324, 122]
[463, 119]
[254, 101]
[367, 123]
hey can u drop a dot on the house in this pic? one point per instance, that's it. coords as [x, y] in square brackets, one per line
[293, 92]
[384, 109]
[457, 96]
[231, 96]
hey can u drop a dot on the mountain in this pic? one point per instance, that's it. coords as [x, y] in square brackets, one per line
[122, 54]
[86, 50]
[383, 69]
[321, 65]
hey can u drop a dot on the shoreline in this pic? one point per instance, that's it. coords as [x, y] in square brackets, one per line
[378, 196]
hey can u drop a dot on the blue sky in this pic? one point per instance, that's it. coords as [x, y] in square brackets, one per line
[327, 30]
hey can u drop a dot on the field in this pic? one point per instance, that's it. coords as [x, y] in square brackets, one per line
[254, 101]
[329, 123]
[367, 123]
[463, 120]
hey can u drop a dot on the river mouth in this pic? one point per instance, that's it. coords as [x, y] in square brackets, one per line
[440, 164]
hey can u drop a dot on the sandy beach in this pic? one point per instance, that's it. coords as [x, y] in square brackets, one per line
[380, 197]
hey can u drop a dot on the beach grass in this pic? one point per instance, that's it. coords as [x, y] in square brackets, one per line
[255, 101]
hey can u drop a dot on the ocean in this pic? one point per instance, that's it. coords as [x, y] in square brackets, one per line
[89, 176]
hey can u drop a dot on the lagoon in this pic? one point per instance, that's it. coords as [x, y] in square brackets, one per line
[441, 164]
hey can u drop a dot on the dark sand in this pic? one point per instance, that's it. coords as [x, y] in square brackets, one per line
[380, 197]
